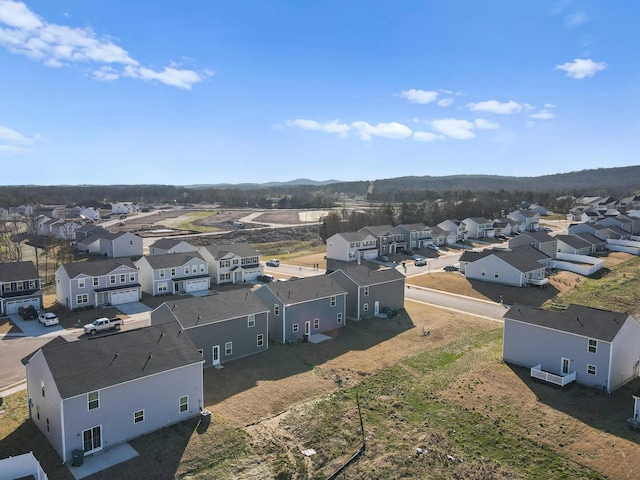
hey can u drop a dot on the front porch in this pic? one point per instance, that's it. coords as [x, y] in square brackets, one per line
[562, 380]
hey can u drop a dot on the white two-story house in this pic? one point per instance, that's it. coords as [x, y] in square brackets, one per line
[234, 263]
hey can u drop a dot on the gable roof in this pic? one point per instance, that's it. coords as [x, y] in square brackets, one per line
[239, 249]
[304, 289]
[171, 260]
[354, 236]
[381, 229]
[99, 362]
[363, 276]
[588, 237]
[478, 220]
[167, 243]
[218, 307]
[12, 271]
[574, 241]
[414, 227]
[440, 232]
[540, 237]
[577, 319]
[96, 268]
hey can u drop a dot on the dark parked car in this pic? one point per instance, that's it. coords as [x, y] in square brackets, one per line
[451, 268]
[266, 278]
[28, 312]
[383, 258]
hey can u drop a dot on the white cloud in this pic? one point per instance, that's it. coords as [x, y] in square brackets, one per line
[25, 33]
[387, 130]
[106, 73]
[542, 115]
[426, 137]
[444, 102]
[482, 124]
[11, 136]
[334, 126]
[576, 19]
[581, 68]
[494, 106]
[453, 128]
[13, 149]
[420, 96]
[549, 105]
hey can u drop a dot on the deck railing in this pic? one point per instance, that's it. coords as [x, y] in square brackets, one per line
[561, 380]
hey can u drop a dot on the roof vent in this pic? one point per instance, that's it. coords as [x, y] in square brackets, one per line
[161, 335]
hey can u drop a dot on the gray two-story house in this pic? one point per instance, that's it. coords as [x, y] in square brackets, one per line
[93, 394]
[223, 326]
[19, 287]
[236, 263]
[91, 284]
[173, 273]
[303, 307]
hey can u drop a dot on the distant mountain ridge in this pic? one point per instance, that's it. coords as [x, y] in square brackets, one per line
[296, 182]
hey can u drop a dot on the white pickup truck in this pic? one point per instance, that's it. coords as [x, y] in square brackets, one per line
[102, 324]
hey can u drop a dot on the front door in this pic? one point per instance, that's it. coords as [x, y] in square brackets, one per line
[307, 328]
[376, 308]
[176, 287]
[92, 439]
[565, 366]
[215, 355]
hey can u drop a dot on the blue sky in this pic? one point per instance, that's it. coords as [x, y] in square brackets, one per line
[193, 92]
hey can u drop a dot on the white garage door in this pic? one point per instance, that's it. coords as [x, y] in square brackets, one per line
[13, 305]
[125, 296]
[196, 285]
[370, 255]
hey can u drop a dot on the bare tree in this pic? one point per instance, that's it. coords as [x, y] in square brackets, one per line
[11, 232]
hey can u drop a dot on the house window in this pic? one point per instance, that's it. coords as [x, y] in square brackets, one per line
[316, 323]
[81, 283]
[496, 274]
[202, 268]
[161, 273]
[186, 270]
[333, 300]
[173, 272]
[92, 439]
[591, 369]
[260, 340]
[339, 318]
[47, 424]
[295, 329]
[138, 416]
[225, 276]
[162, 287]
[251, 321]
[132, 277]
[366, 291]
[593, 346]
[38, 411]
[183, 404]
[194, 269]
[42, 385]
[82, 299]
[96, 281]
[276, 309]
[32, 284]
[483, 272]
[228, 348]
[123, 278]
[365, 307]
[93, 400]
[201, 352]
[112, 279]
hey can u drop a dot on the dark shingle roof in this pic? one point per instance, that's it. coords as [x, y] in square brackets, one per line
[13, 271]
[217, 307]
[91, 364]
[97, 268]
[239, 249]
[414, 227]
[590, 238]
[364, 276]
[540, 237]
[577, 319]
[573, 241]
[171, 260]
[305, 289]
[166, 243]
[354, 236]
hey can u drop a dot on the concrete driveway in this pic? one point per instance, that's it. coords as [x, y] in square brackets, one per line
[32, 328]
[133, 308]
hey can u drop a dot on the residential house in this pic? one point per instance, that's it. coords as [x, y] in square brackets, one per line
[629, 203]
[173, 273]
[539, 240]
[370, 291]
[236, 263]
[603, 232]
[303, 307]
[19, 286]
[87, 230]
[478, 227]
[93, 394]
[530, 219]
[224, 326]
[441, 237]
[352, 247]
[103, 282]
[455, 226]
[521, 267]
[574, 245]
[416, 235]
[62, 229]
[171, 245]
[90, 213]
[112, 245]
[598, 244]
[124, 208]
[600, 347]
[539, 209]
[390, 239]
[626, 223]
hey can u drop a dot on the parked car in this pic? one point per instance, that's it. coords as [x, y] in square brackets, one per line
[431, 246]
[383, 258]
[451, 268]
[28, 312]
[274, 262]
[501, 237]
[48, 319]
[420, 262]
[266, 278]
[102, 324]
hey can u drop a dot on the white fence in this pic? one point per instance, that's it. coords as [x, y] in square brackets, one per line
[628, 246]
[21, 466]
[562, 380]
[571, 263]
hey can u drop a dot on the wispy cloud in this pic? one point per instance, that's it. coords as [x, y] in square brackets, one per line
[575, 19]
[427, 137]
[454, 128]
[23, 32]
[387, 130]
[494, 106]
[581, 68]
[420, 96]
[542, 115]
[14, 142]
[444, 102]
[334, 126]
[481, 123]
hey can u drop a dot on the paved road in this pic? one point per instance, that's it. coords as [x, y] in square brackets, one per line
[459, 303]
